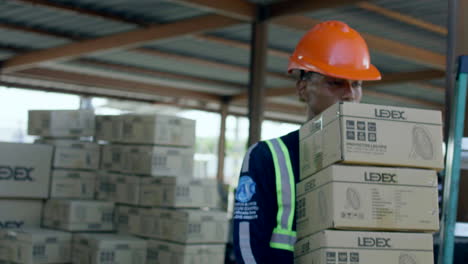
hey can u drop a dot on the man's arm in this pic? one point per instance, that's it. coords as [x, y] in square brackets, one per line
[256, 208]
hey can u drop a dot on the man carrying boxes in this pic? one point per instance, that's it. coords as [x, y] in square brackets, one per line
[274, 223]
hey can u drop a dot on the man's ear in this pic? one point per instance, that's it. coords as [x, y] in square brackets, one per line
[301, 90]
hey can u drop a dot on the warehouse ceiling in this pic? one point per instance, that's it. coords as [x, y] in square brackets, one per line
[196, 53]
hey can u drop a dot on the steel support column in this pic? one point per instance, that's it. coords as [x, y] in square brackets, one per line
[222, 140]
[86, 103]
[258, 59]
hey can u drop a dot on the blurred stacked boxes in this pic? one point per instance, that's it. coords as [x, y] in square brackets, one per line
[368, 185]
[147, 169]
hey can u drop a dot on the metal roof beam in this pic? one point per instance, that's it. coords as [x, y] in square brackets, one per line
[160, 74]
[118, 41]
[390, 47]
[403, 18]
[287, 8]
[112, 83]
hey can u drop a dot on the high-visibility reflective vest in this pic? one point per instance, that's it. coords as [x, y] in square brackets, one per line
[283, 236]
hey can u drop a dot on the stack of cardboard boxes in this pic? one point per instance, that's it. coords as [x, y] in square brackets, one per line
[74, 166]
[24, 184]
[368, 189]
[61, 166]
[147, 169]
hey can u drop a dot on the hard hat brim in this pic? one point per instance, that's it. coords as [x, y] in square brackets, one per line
[343, 72]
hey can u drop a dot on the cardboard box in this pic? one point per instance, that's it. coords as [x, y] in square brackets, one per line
[372, 135]
[79, 215]
[128, 189]
[20, 213]
[73, 154]
[135, 219]
[108, 248]
[38, 246]
[158, 161]
[112, 157]
[122, 218]
[73, 184]
[158, 130]
[109, 128]
[174, 253]
[179, 192]
[105, 186]
[332, 246]
[367, 198]
[7, 250]
[184, 226]
[61, 123]
[25, 170]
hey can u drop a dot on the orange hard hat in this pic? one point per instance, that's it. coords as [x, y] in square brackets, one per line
[334, 49]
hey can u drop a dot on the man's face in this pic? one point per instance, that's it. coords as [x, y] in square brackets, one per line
[320, 92]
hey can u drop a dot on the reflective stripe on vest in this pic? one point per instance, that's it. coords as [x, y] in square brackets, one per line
[283, 236]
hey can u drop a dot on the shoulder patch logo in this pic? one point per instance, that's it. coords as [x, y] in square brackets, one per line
[245, 189]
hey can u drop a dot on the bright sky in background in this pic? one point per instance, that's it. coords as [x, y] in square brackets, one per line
[15, 103]
[14, 106]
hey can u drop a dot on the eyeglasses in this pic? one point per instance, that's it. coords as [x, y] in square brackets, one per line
[331, 81]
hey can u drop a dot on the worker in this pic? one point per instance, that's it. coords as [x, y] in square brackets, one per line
[330, 62]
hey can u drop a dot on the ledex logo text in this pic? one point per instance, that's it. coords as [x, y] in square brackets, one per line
[380, 177]
[390, 114]
[375, 242]
[15, 173]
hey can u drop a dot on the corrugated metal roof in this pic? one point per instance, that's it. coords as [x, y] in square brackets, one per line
[411, 90]
[433, 11]
[200, 48]
[438, 82]
[238, 32]
[191, 46]
[367, 99]
[372, 23]
[5, 54]
[149, 11]
[390, 64]
[29, 40]
[171, 82]
[265, 2]
[59, 20]
[182, 67]
[278, 37]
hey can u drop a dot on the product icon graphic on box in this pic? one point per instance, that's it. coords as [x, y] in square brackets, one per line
[422, 144]
[352, 196]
